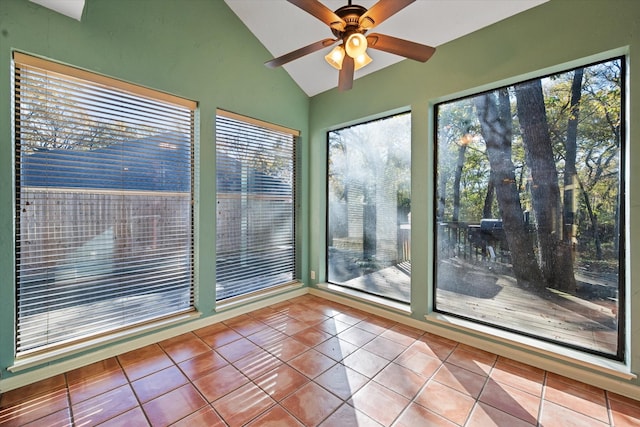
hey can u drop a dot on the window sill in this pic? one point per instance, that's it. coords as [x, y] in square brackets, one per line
[352, 294]
[529, 350]
[44, 357]
[53, 362]
[242, 300]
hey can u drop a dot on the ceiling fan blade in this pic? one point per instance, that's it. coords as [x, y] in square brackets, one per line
[320, 11]
[406, 48]
[281, 60]
[381, 11]
[345, 78]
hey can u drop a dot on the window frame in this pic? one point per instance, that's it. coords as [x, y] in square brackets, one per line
[103, 87]
[623, 194]
[369, 294]
[232, 296]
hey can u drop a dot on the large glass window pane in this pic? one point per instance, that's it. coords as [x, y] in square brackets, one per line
[255, 179]
[369, 207]
[530, 208]
[104, 224]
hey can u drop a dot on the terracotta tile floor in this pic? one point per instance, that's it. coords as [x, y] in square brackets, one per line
[312, 362]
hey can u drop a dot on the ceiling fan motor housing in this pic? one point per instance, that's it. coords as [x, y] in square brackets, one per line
[351, 16]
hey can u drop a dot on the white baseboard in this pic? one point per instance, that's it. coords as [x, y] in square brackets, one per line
[595, 376]
[26, 377]
[611, 379]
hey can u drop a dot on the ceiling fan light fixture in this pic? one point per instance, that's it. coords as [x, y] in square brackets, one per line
[356, 45]
[361, 61]
[335, 57]
[349, 24]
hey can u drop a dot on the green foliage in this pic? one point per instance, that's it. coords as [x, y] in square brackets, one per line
[598, 162]
[370, 155]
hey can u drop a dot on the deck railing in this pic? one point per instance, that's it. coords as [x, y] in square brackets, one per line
[483, 241]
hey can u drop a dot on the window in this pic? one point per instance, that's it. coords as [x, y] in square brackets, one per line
[255, 181]
[369, 207]
[530, 208]
[104, 230]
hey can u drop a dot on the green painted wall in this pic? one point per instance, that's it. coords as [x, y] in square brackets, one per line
[197, 49]
[551, 37]
[200, 50]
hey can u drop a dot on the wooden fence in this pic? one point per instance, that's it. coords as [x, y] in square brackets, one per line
[69, 226]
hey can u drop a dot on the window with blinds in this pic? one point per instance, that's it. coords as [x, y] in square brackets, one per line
[255, 176]
[104, 222]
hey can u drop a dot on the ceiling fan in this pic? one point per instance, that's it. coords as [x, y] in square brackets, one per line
[349, 24]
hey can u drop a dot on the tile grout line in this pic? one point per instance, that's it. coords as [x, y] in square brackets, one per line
[543, 393]
[310, 380]
[477, 402]
[335, 334]
[313, 380]
[68, 390]
[130, 384]
[190, 382]
[607, 400]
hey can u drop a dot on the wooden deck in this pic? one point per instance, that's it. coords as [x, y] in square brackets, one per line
[392, 282]
[491, 296]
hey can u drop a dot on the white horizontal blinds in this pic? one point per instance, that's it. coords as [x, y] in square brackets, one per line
[104, 233]
[255, 172]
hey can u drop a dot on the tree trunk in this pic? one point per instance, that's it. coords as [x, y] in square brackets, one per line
[487, 212]
[456, 182]
[555, 258]
[570, 172]
[442, 195]
[595, 228]
[496, 130]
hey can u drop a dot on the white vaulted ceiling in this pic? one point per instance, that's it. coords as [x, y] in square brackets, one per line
[71, 8]
[282, 27]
